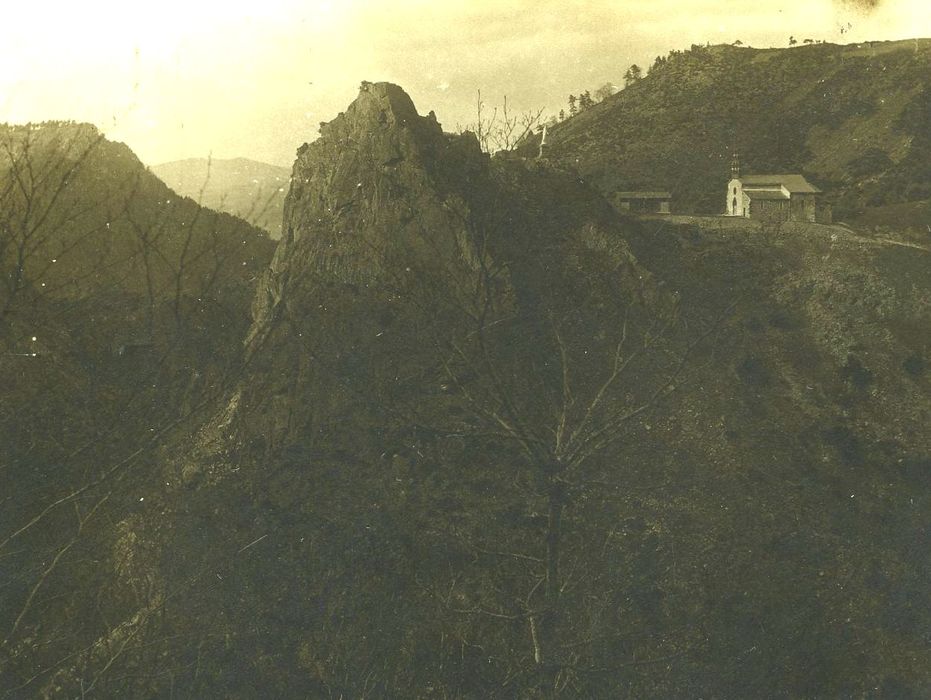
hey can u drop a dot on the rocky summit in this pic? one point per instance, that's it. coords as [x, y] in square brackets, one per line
[382, 186]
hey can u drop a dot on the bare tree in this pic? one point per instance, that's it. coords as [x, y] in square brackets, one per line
[558, 386]
[68, 455]
[502, 129]
[40, 219]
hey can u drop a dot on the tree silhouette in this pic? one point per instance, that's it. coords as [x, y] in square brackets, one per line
[41, 221]
[503, 129]
[605, 91]
[529, 384]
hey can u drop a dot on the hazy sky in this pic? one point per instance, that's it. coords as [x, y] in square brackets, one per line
[185, 78]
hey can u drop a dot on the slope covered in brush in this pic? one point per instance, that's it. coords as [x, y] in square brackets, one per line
[122, 307]
[81, 215]
[854, 119]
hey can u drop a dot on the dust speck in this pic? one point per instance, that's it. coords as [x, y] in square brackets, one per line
[863, 6]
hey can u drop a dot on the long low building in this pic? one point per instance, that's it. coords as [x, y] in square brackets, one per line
[645, 202]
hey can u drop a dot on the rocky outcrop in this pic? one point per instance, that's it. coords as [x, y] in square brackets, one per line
[385, 206]
[383, 189]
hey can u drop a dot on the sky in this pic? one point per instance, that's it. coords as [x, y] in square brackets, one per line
[192, 78]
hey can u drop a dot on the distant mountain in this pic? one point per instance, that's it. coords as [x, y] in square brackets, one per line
[248, 189]
[856, 120]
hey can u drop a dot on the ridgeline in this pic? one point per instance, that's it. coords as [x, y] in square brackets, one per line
[855, 119]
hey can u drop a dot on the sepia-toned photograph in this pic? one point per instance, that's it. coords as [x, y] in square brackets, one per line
[491, 349]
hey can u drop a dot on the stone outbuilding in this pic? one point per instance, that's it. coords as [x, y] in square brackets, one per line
[643, 202]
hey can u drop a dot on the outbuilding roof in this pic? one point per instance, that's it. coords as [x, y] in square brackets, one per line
[643, 195]
[792, 182]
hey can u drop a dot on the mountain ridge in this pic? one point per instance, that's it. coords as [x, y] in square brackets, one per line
[852, 118]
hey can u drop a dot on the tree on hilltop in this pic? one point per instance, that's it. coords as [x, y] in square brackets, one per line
[605, 91]
[502, 129]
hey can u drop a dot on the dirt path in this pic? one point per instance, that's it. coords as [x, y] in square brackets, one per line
[835, 232]
[886, 241]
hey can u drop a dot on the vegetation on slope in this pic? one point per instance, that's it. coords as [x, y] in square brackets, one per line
[122, 308]
[854, 119]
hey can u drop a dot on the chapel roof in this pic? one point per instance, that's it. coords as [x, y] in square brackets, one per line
[792, 182]
[762, 194]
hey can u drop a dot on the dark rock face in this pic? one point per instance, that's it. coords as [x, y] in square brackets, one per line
[381, 203]
[346, 430]
[386, 210]
[382, 187]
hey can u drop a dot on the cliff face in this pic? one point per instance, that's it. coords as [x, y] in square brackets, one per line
[380, 203]
[432, 316]
[381, 190]
[387, 214]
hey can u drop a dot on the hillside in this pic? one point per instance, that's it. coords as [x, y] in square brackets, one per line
[122, 308]
[854, 119]
[490, 439]
[82, 216]
[99, 258]
[246, 188]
